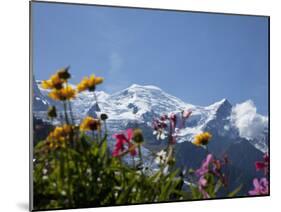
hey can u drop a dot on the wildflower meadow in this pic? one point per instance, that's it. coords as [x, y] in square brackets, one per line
[73, 165]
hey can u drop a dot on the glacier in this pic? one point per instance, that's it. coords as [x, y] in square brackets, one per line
[138, 105]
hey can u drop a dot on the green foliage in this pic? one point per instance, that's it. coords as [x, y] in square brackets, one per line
[72, 169]
[85, 175]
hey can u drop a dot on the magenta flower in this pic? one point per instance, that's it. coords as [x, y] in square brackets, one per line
[165, 126]
[260, 187]
[164, 118]
[217, 165]
[184, 116]
[263, 165]
[204, 169]
[266, 157]
[159, 127]
[210, 166]
[121, 140]
[173, 121]
[260, 165]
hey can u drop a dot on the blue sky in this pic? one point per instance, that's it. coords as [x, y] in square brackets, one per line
[198, 57]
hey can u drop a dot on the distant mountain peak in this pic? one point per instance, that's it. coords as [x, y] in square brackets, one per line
[144, 87]
[141, 103]
[224, 103]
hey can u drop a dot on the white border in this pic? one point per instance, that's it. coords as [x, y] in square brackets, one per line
[14, 48]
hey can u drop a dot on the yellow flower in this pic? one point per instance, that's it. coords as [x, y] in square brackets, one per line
[202, 139]
[58, 132]
[63, 94]
[83, 85]
[61, 131]
[89, 83]
[55, 82]
[67, 129]
[93, 81]
[59, 136]
[90, 123]
[46, 84]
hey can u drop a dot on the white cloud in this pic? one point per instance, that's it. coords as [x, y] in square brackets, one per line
[115, 61]
[249, 123]
[117, 78]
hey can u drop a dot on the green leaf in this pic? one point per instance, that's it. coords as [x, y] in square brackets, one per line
[235, 191]
[103, 149]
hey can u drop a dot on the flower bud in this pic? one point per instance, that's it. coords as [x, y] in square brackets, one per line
[138, 136]
[103, 116]
[64, 74]
[52, 112]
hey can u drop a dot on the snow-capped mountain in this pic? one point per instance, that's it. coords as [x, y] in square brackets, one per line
[40, 102]
[138, 105]
[243, 136]
[80, 106]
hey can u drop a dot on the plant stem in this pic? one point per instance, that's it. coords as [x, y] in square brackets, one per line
[65, 112]
[71, 113]
[105, 127]
[134, 164]
[140, 154]
[68, 179]
[99, 136]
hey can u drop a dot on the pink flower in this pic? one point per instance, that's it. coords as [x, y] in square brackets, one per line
[186, 114]
[173, 121]
[217, 165]
[225, 159]
[204, 169]
[159, 124]
[260, 187]
[202, 183]
[164, 118]
[266, 157]
[121, 140]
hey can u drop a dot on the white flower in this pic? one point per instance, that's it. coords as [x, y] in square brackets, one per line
[161, 157]
[166, 170]
[160, 134]
[146, 169]
[45, 177]
[44, 171]
[63, 193]
[88, 171]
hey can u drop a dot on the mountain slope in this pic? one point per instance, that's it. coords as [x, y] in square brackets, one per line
[40, 102]
[138, 105]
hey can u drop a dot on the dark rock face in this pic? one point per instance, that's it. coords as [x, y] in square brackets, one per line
[41, 130]
[241, 167]
[133, 107]
[94, 111]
